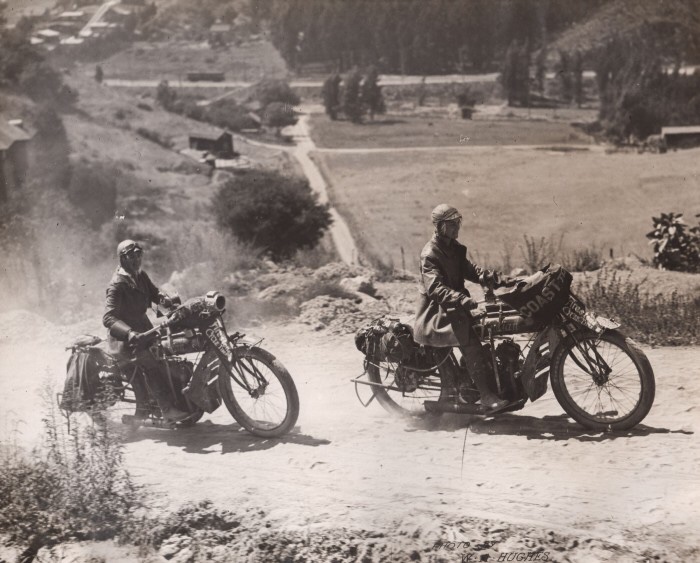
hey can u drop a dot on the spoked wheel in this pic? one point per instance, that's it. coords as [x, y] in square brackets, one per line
[402, 393]
[259, 393]
[603, 382]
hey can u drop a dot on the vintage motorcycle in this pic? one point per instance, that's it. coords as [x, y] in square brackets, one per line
[534, 330]
[205, 366]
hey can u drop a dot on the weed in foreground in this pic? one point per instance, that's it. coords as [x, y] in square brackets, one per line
[74, 488]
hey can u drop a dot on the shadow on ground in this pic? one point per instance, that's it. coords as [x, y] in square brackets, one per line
[558, 427]
[205, 438]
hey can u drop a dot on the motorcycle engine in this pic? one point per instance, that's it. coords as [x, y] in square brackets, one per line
[508, 357]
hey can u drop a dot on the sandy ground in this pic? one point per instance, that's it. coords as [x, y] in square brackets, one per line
[350, 476]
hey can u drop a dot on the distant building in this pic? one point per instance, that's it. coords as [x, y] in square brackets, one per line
[205, 76]
[220, 146]
[680, 137]
[220, 33]
[13, 156]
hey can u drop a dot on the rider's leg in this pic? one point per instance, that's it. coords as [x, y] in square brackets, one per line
[477, 366]
[140, 394]
[157, 383]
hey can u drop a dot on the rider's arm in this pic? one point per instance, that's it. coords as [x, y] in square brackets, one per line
[117, 328]
[153, 292]
[435, 288]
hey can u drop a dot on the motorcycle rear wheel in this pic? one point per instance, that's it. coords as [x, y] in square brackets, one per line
[621, 399]
[273, 407]
[383, 372]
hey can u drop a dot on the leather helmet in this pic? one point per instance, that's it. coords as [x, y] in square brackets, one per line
[444, 212]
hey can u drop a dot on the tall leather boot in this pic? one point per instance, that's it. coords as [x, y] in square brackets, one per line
[481, 375]
[449, 393]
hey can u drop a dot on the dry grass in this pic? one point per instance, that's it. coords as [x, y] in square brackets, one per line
[410, 131]
[597, 200]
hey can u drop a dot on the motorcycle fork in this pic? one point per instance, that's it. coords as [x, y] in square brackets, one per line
[595, 366]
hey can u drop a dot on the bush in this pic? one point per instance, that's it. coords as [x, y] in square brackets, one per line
[78, 489]
[277, 213]
[675, 248]
[93, 189]
[652, 319]
[278, 115]
[271, 90]
[155, 137]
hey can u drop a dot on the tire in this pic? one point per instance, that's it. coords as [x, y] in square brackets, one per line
[255, 413]
[408, 405]
[621, 400]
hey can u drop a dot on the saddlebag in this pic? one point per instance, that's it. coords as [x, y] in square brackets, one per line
[393, 340]
[540, 296]
[82, 386]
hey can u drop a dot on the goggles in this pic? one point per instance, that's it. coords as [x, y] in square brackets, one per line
[132, 249]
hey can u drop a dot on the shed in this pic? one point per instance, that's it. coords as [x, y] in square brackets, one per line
[221, 146]
[679, 137]
[205, 76]
[13, 156]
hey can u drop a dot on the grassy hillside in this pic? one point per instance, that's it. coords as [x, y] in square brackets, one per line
[593, 199]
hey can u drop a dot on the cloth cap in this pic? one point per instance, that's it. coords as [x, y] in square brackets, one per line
[127, 246]
[444, 212]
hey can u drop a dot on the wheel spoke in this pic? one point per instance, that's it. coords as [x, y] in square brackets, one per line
[619, 391]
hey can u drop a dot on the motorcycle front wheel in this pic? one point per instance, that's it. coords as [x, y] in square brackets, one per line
[604, 382]
[267, 404]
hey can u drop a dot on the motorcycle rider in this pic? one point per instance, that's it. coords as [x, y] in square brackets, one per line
[443, 318]
[129, 295]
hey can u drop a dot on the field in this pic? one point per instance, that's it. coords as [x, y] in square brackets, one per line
[417, 131]
[592, 198]
[172, 60]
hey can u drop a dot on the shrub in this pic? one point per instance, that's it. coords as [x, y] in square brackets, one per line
[278, 115]
[271, 90]
[77, 489]
[652, 319]
[675, 247]
[155, 137]
[279, 214]
[93, 189]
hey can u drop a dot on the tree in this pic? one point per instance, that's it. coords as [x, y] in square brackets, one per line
[331, 95]
[165, 95]
[278, 115]
[371, 93]
[566, 86]
[279, 214]
[577, 71]
[515, 74]
[352, 103]
[271, 90]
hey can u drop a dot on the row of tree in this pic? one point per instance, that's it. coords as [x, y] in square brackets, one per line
[414, 36]
[354, 95]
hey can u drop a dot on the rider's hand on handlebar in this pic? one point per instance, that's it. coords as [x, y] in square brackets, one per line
[135, 338]
[478, 313]
[468, 303]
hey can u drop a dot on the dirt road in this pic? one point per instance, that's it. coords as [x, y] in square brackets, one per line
[515, 480]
